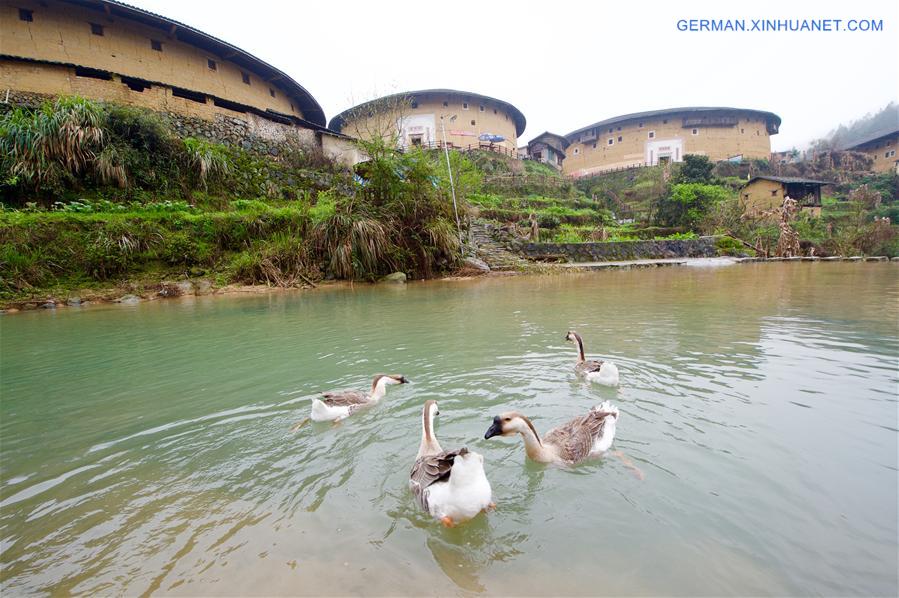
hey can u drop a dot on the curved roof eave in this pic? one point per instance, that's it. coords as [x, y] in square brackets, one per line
[561, 138]
[669, 111]
[308, 105]
[338, 121]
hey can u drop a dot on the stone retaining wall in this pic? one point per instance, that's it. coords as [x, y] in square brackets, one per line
[618, 250]
[248, 130]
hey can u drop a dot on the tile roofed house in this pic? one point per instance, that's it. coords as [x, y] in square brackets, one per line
[764, 193]
[548, 148]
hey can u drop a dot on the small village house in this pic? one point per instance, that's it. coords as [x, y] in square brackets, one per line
[764, 193]
[548, 148]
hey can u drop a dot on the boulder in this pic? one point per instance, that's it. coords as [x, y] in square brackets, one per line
[73, 301]
[128, 299]
[49, 304]
[185, 286]
[474, 263]
[204, 287]
[395, 278]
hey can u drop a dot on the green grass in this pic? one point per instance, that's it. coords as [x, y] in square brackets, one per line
[40, 250]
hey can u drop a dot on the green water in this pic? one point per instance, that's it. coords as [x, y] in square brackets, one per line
[146, 449]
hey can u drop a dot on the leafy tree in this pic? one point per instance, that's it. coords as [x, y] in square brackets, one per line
[687, 204]
[695, 169]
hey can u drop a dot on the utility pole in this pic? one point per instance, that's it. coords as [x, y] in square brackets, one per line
[450, 171]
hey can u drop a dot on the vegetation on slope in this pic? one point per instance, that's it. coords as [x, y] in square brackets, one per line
[180, 206]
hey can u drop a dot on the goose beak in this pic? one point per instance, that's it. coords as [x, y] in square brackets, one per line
[496, 429]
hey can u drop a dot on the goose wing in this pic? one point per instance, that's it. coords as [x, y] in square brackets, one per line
[575, 438]
[429, 470]
[591, 365]
[346, 398]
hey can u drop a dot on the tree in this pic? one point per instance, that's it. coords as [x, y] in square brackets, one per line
[687, 204]
[695, 169]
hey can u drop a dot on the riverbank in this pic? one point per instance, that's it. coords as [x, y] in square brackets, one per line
[134, 292]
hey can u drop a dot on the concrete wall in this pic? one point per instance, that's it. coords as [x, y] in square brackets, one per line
[620, 250]
[488, 117]
[61, 33]
[884, 152]
[749, 138]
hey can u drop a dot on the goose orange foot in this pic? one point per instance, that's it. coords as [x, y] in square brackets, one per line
[447, 522]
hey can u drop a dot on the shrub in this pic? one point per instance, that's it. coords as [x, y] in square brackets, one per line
[687, 204]
[695, 169]
[567, 235]
[549, 221]
[729, 246]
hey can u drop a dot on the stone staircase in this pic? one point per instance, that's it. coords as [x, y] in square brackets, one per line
[491, 251]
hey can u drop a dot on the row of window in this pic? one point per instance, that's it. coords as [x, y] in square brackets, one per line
[465, 106]
[155, 44]
[140, 85]
[589, 134]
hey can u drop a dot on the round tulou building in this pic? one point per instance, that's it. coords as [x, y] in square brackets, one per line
[422, 118]
[658, 136]
[109, 51]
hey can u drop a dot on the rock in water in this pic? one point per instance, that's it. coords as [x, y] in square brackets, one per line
[73, 301]
[128, 299]
[395, 278]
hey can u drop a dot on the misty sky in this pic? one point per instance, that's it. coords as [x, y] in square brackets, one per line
[568, 64]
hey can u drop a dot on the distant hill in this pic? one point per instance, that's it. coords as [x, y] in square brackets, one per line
[882, 122]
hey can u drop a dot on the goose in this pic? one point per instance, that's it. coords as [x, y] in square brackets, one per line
[602, 372]
[450, 485]
[335, 406]
[585, 436]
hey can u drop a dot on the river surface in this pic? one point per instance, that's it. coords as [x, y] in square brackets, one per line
[147, 449]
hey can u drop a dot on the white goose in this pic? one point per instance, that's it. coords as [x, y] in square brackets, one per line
[586, 436]
[335, 406]
[450, 485]
[602, 372]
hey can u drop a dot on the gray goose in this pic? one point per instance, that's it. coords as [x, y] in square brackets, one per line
[603, 372]
[335, 406]
[583, 437]
[450, 485]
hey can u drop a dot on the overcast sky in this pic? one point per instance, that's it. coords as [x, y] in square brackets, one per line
[568, 64]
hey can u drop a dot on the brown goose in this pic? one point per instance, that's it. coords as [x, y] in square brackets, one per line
[603, 372]
[585, 436]
[335, 406]
[450, 485]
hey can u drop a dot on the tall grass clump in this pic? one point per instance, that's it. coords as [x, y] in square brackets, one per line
[41, 148]
[209, 161]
